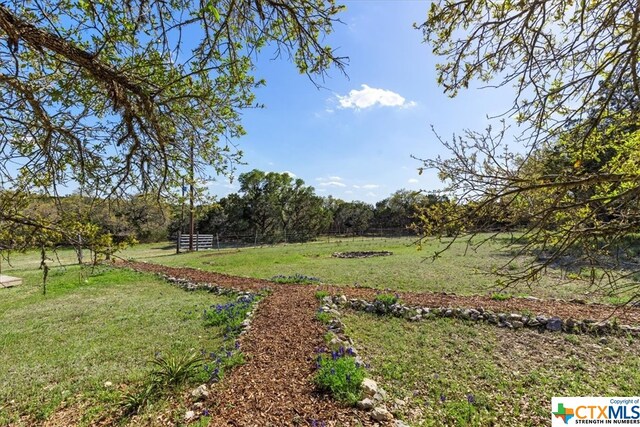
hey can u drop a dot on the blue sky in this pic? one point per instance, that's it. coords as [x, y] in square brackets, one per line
[354, 138]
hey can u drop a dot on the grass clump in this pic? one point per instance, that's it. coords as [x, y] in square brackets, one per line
[323, 317]
[500, 296]
[167, 374]
[340, 375]
[387, 299]
[298, 279]
[175, 371]
[321, 294]
[133, 401]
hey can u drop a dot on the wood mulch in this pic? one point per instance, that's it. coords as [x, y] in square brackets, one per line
[275, 387]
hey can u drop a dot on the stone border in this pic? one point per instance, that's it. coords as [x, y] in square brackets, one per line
[501, 320]
[360, 254]
[242, 296]
[202, 392]
[375, 396]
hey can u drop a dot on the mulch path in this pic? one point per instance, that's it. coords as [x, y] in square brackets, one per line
[275, 388]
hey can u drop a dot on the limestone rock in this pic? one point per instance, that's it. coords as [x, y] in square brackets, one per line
[380, 395]
[554, 324]
[399, 402]
[517, 324]
[381, 414]
[365, 404]
[369, 387]
[200, 393]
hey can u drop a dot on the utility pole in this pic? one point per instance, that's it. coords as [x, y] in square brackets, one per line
[181, 227]
[191, 197]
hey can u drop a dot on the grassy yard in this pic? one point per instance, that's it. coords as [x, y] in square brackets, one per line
[103, 327]
[59, 350]
[455, 373]
[460, 270]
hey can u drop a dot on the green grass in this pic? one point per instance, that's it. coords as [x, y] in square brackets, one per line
[59, 350]
[461, 269]
[438, 367]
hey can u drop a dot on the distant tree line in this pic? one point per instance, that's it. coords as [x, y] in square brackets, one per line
[276, 207]
[269, 207]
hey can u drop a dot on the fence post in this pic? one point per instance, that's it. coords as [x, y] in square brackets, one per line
[217, 241]
[178, 242]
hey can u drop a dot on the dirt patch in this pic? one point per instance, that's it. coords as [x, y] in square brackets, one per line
[361, 254]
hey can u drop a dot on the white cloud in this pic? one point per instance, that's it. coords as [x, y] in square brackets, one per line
[335, 178]
[332, 184]
[369, 97]
[367, 186]
[371, 194]
[348, 192]
[413, 181]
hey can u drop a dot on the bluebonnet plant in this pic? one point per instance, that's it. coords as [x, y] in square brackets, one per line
[296, 278]
[340, 374]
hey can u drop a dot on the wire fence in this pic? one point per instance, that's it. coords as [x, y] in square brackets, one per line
[239, 240]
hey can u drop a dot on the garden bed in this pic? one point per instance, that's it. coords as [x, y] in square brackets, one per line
[361, 254]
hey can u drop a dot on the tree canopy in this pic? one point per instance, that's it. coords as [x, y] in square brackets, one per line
[123, 97]
[573, 178]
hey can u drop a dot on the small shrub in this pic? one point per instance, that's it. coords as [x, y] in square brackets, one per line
[297, 278]
[321, 294]
[175, 371]
[323, 317]
[499, 296]
[387, 299]
[339, 374]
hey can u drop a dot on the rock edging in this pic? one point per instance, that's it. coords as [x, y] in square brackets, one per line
[479, 314]
[374, 395]
[360, 254]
